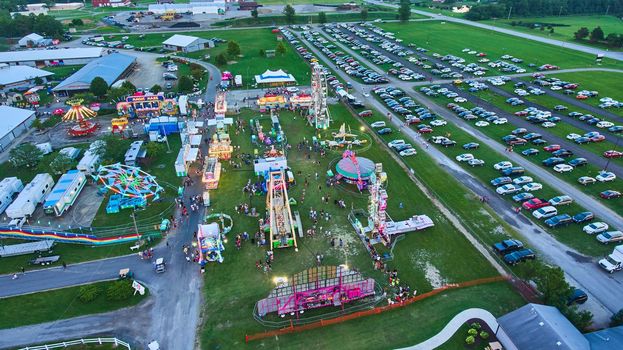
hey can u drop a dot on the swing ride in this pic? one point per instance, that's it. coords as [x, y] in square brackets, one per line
[80, 114]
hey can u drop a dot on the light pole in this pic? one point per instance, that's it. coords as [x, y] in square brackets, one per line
[133, 216]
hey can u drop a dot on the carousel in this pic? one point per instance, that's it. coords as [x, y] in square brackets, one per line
[80, 114]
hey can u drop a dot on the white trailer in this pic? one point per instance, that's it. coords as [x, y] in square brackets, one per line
[65, 193]
[182, 102]
[89, 163]
[46, 147]
[8, 187]
[134, 153]
[25, 248]
[33, 194]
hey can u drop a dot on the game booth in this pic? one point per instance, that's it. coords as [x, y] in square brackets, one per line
[146, 106]
[210, 243]
[301, 101]
[270, 102]
[211, 173]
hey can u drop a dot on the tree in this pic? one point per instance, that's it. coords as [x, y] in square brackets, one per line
[281, 48]
[77, 22]
[233, 49]
[117, 94]
[61, 164]
[364, 13]
[581, 34]
[154, 149]
[580, 319]
[404, 11]
[551, 282]
[254, 13]
[98, 87]
[289, 12]
[220, 59]
[156, 88]
[597, 34]
[25, 155]
[129, 86]
[322, 17]
[617, 319]
[115, 149]
[185, 84]
[262, 53]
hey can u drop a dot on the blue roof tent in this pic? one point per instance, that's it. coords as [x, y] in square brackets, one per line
[110, 68]
[606, 339]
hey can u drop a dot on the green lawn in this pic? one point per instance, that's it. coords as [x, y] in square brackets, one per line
[445, 37]
[414, 256]
[251, 41]
[306, 19]
[57, 305]
[564, 26]
[62, 72]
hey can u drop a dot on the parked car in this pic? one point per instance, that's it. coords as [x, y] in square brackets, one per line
[561, 200]
[605, 176]
[552, 161]
[586, 180]
[476, 162]
[524, 196]
[610, 194]
[559, 220]
[507, 189]
[563, 168]
[551, 148]
[395, 143]
[595, 227]
[535, 203]
[518, 256]
[408, 152]
[583, 217]
[578, 162]
[522, 180]
[613, 154]
[562, 153]
[530, 152]
[502, 165]
[378, 124]
[578, 296]
[471, 145]
[513, 171]
[533, 186]
[545, 212]
[507, 246]
[610, 236]
[366, 113]
[503, 180]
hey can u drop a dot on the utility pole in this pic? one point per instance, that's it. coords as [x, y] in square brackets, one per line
[509, 12]
[607, 9]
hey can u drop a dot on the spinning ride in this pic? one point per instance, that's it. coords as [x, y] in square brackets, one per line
[131, 185]
[80, 114]
[355, 170]
[210, 243]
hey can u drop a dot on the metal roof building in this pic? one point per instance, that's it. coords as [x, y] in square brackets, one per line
[111, 68]
[50, 57]
[186, 43]
[15, 77]
[13, 123]
[606, 339]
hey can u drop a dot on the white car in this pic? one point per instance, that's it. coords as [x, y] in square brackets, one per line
[612, 236]
[379, 124]
[464, 157]
[522, 180]
[604, 124]
[556, 87]
[395, 143]
[605, 176]
[502, 165]
[545, 212]
[408, 152]
[533, 186]
[586, 180]
[481, 123]
[595, 227]
[548, 125]
[438, 122]
[573, 136]
[507, 189]
[460, 100]
[500, 121]
[476, 162]
[563, 168]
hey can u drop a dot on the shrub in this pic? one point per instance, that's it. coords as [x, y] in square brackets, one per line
[475, 325]
[617, 319]
[88, 293]
[470, 340]
[119, 290]
[472, 331]
[484, 335]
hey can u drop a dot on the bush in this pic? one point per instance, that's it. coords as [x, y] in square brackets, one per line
[484, 335]
[617, 319]
[472, 331]
[88, 293]
[475, 325]
[119, 290]
[470, 340]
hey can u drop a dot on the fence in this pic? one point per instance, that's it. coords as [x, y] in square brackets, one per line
[375, 311]
[65, 344]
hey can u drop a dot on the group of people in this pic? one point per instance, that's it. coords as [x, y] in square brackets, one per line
[267, 264]
[244, 209]
[315, 216]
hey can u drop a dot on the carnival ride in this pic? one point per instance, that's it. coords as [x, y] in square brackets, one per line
[131, 185]
[323, 286]
[225, 221]
[319, 116]
[377, 203]
[220, 103]
[211, 173]
[119, 125]
[210, 243]
[80, 114]
[139, 106]
[355, 170]
[280, 221]
[67, 237]
[343, 138]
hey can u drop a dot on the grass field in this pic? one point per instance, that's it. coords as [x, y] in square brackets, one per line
[305, 19]
[567, 26]
[444, 38]
[251, 41]
[62, 72]
[57, 305]
[415, 256]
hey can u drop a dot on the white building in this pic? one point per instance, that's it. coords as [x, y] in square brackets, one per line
[41, 58]
[215, 8]
[13, 123]
[17, 77]
[31, 40]
[186, 43]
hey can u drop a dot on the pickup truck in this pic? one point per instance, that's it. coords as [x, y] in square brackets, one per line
[614, 261]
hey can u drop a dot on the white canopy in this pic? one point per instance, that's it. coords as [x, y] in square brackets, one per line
[274, 76]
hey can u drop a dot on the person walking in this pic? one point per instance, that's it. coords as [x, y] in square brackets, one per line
[64, 265]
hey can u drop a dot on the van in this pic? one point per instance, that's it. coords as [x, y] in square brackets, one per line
[545, 212]
[513, 171]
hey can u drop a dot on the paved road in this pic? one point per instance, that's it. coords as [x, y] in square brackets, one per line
[577, 47]
[581, 271]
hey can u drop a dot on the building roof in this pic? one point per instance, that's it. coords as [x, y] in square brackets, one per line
[15, 74]
[606, 339]
[109, 68]
[182, 40]
[34, 37]
[536, 326]
[47, 55]
[274, 76]
[62, 186]
[11, 117]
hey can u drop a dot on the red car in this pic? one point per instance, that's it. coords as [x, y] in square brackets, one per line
[613, 154]
[597, 138]
[425, 130]
[610, 194]
[59, 111]
[581, 97]
[551, 148]
[521, 113]
[535, 203]
[571, 86]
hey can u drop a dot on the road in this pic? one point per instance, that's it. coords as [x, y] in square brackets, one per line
[577, 47]
[581, 271]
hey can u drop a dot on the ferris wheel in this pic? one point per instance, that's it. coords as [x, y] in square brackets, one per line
[319, 113]
[128, 181]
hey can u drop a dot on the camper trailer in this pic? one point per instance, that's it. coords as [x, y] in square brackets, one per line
[89, 163]
[65, 193]
[33, 194]
[134, 153]
[45, 148]
[8, 187]
[183, 104]
[70, 152]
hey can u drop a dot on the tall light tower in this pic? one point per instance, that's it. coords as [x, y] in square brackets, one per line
[319, 112]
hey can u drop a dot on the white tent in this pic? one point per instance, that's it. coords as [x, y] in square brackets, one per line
[274, 77]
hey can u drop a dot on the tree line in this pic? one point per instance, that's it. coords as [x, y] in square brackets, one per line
[23, 25]
[528, 8]
[597, 35]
